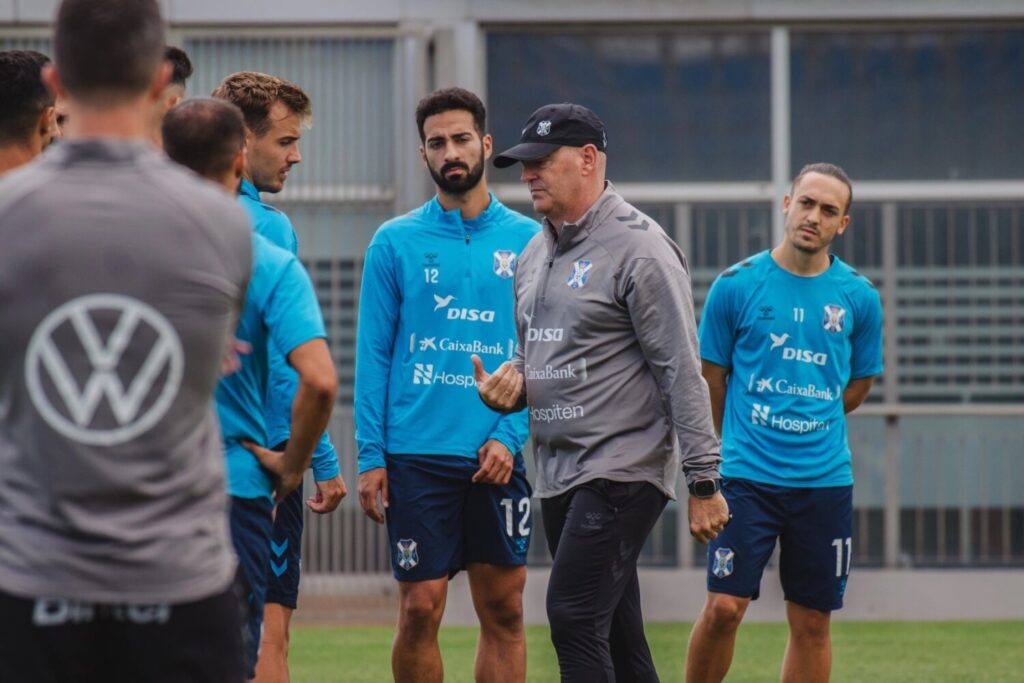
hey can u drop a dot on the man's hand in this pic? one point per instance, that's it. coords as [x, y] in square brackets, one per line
[708, 516]
[371, 483]
[502, 390]
[329, 493]
[232, 360]
[283, 478]
[495, 464]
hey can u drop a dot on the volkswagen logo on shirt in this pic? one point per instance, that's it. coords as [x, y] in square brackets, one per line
[116, 398]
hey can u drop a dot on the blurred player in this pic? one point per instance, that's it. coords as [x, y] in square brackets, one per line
[437, 287]
[181, 71]
[275, 111]
[27, 123]
[119, 300]
[791, 340]
[281, 312]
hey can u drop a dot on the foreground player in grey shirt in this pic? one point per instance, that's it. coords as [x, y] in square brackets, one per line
[608, 366]
[121, 278]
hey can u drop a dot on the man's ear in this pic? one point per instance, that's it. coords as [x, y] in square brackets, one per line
[161, 77]
[51, 79]
[46, 127]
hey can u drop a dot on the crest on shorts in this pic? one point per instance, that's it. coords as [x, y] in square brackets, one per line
[407, 555]
[835, 317]
[504, 263]
[543, 128]
[580, 271]
[723, 562]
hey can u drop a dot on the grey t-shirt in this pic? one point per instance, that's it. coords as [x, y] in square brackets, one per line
[121, 278]
[608, 347]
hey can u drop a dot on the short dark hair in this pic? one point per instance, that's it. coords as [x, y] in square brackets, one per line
[106, 48]
[832, 170]
[181, 63]
[23, 97]
[255, 93]
[450, 99]
[204, 134]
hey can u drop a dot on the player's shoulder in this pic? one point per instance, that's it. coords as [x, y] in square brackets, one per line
[392, 230]
[511, 220]
[742, 272]
[851, 280]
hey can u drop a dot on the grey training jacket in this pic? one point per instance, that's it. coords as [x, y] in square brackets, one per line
[608, 348]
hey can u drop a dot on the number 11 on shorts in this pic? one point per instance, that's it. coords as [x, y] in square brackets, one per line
[838, 544]
[524, 516]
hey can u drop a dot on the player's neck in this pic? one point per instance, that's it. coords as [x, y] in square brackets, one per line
[470, 204]
[799, 262]
[128, 120]
[13, 156]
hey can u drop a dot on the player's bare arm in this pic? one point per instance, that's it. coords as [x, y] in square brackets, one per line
[856, 392]
[716, 377]
[503, 390]
[311, 410]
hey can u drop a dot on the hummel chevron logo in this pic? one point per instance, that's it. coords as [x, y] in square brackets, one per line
[279, 549]
[631, 219]
[278, 569]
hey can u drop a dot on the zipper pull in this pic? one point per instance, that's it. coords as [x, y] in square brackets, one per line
[467, 238]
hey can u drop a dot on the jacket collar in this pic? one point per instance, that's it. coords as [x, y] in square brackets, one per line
[597, 215]
[435, 212]
[249, 190]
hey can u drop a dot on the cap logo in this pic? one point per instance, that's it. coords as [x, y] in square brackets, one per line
[543, 128]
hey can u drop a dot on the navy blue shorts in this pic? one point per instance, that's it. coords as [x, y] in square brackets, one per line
[251, 524]
[286, 548]
[439, 520]
[814, 527]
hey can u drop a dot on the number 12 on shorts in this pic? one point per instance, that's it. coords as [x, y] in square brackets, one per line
[524, 516]
[838, 544]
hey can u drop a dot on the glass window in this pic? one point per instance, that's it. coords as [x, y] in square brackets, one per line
[679, 106]
[909, 105]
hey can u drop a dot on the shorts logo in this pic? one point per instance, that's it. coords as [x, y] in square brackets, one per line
[835, 317]
[504, 264]
[543, 128]
[407, 555]
[580, 271]
[723, 566]
[121, 398]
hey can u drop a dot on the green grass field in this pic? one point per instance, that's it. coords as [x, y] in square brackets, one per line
[900, 652]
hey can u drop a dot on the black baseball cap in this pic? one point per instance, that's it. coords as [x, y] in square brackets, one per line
[553, 126]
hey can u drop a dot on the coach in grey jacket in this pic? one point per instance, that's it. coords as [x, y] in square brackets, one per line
[609, 369]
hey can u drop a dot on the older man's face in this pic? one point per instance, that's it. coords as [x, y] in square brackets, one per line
[554, 181]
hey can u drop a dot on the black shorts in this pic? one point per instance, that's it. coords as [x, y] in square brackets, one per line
[286, 548]
[67, 641]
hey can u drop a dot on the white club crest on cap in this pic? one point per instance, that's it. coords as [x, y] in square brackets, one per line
[543, 128]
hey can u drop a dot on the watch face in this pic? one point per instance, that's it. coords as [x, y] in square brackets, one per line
[704, 488]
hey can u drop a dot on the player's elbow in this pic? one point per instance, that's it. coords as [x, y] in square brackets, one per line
[321, 386]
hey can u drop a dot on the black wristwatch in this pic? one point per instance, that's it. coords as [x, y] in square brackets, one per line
[705, 488]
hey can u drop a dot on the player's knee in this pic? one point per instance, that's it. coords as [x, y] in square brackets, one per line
[421, 612]
[724, 612]
[503, 614]
[810, 627]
